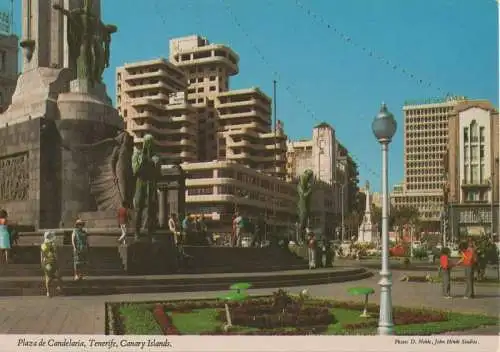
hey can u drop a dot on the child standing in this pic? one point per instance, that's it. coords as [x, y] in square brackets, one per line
[445, 267]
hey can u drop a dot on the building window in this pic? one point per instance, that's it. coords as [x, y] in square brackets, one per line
[124, 112]
[473, 131]
[474, 174]
[473, 153]
[481, 134]
[201, 90]
[212, 88]
[213, 78]
[466, 134]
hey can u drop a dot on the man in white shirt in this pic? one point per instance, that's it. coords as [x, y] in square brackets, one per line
[238, 225]
[174, 227]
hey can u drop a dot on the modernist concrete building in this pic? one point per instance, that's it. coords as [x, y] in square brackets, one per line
[8, 69]
[473, 169]
[426, 138]
[150, 97]
[186, 104]
[217, 189]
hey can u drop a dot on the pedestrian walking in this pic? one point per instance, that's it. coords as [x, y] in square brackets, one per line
[80, 250]
[239, 225]
[50, 264]
[5, 240]
[259, 231]
[202, 229]
[445, 270]
[312, 248]
[467, 260]
[187, 229]
[174, 227]
[123, 219]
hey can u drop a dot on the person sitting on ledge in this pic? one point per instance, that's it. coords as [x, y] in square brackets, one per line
[48, 259]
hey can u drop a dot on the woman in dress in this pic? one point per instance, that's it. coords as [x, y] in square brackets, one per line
[49, 262]
[4, 237]
[80, 249]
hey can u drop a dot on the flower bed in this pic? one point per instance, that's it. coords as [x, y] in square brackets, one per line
[278, 315]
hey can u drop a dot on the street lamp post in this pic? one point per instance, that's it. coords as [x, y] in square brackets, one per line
[384, 127]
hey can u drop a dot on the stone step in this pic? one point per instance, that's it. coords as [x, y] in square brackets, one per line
[179, 283]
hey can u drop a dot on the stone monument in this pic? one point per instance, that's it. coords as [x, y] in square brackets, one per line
[59, 104]
[367, 231]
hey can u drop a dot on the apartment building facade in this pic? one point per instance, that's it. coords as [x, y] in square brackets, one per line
[426, 138]
[186, 104]
[8, 69]
[217, 189]
[150, 96]
[472, 170]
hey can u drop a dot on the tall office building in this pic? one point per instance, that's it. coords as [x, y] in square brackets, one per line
[472, 170]
[426, 138]
[8, 69]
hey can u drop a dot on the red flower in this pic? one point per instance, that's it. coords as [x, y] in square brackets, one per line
[164, 321]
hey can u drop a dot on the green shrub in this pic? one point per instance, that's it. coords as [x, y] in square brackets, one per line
[420, 253]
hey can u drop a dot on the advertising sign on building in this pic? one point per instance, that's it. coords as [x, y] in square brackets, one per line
[176, 98]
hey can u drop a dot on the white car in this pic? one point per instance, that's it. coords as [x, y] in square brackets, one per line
[416, 244]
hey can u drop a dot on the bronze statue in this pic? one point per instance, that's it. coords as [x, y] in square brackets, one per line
[88, 41]
[146, 168]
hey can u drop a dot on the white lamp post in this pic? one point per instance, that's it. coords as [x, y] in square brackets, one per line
[384, 127]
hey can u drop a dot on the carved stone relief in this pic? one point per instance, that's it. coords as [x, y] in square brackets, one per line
[14, 177]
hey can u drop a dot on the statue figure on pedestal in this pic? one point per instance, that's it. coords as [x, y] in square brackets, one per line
[304, 189]
[88, 41]
[146, 168]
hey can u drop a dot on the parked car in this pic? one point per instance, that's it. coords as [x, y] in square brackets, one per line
[416, 244]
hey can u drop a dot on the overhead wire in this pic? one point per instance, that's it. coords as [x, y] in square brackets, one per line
[370, 52]
[287, 86]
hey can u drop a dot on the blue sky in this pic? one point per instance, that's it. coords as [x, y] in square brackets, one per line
[451, 45]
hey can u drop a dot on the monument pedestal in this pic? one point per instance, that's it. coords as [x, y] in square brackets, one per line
[86, 117]
[36, 95]
[150, 257]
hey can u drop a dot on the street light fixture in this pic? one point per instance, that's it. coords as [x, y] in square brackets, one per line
[384, 127]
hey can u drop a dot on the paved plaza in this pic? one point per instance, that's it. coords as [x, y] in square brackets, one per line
[85, 315]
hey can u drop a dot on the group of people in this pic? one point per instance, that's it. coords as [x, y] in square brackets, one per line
[49, 257]
[319, 252]
[192, 229]
[468, 259]
[243, 227]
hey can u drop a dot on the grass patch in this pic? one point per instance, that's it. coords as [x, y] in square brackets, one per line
[138, 319]
[206, 317]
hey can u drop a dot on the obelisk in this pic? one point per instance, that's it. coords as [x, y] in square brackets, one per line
[366, 229]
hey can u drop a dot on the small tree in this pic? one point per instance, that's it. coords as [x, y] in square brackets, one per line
[487, 253]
